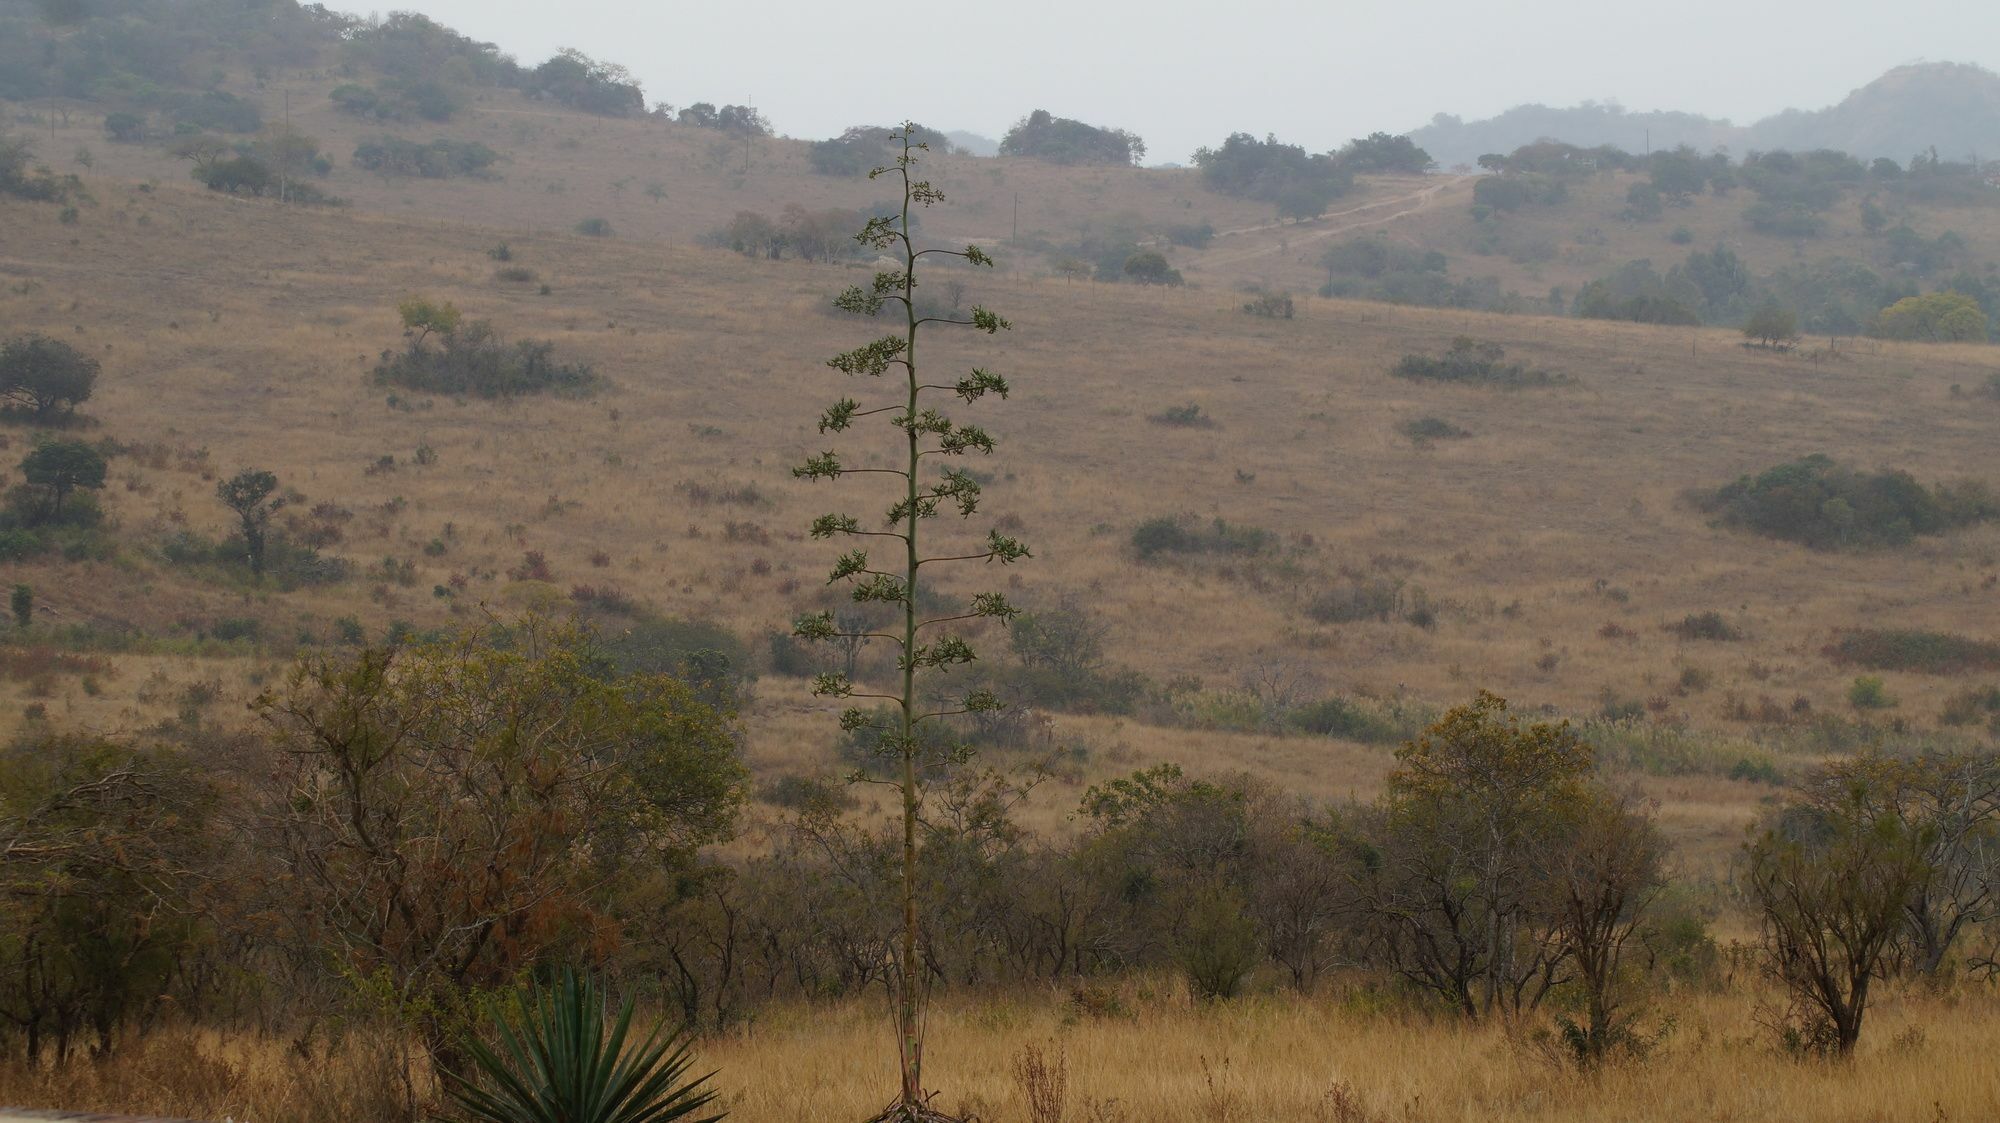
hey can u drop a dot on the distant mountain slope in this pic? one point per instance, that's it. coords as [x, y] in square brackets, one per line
[1952, 106]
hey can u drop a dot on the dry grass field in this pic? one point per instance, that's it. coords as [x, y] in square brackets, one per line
[1162, 1059]
[239, 333]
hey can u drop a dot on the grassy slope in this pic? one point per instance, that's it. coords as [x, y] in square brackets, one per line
[246, 329]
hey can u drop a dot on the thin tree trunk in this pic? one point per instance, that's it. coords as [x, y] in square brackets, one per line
[912, 1045]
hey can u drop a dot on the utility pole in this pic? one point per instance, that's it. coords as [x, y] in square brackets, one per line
[52, 94]
[1017, 219]
[285, 161]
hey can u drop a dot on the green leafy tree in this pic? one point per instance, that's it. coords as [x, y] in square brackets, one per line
[1873, 218]
[1383, 152]
[1060, 140]
[452, 812]
[1478, 811]
[1772, 325]
[105, 853]
[22, 603]
[924, 646]
[58, 469]
[1938, 317]
[1679, 174]
[1832, 880]
[248, 493]
[47, 377]
[1949, 800]
[126, 128]
[1150, 267]
[424, 317]
[1604, 879]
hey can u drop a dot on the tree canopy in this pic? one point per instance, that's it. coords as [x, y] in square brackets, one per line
[47, 377]
[1061, 140]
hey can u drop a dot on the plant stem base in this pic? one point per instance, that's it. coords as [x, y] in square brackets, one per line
[900, 1112]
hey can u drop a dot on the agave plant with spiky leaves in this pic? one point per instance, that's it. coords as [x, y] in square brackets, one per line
[555, 1064]
[926, 484]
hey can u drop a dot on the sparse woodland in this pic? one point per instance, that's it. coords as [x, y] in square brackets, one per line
[1353, 643]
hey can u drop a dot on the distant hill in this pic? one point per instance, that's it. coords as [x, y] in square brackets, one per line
[1452, 141]
[1954, 107]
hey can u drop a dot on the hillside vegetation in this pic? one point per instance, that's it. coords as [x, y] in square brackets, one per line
[404, 533]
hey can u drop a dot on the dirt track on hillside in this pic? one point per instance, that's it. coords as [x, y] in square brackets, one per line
[1325, 226]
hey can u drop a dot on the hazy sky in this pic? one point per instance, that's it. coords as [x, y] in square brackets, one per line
[1183, 73]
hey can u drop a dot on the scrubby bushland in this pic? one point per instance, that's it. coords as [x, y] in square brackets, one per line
[1270, 305]
[1060, 663]
[1511, 192]
[472, 359]
[1474, 362]
[1639, 294]
[1355, 598]
[1497, 876]
[440, 159]
[1188, 416]
[1974, 705]
[712, 660]
[1828, 506]
[799, 232]
[1348, 720]
[397, 100]
[20, 179]
[289, 561]
[1642, 203]
[1375, 268]
[1181, 535]
[1913, 649]
[1705, 626]
[1424, 430]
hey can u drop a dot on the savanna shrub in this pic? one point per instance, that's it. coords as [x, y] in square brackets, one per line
[1474, 362]
[475, 361]
[1830, 506]
[1913, 649]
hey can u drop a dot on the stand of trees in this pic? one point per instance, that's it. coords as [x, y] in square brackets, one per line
[408, 828]
[1060, 140]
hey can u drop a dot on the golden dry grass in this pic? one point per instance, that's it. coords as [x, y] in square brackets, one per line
[1163, 1059]
[246, 330]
